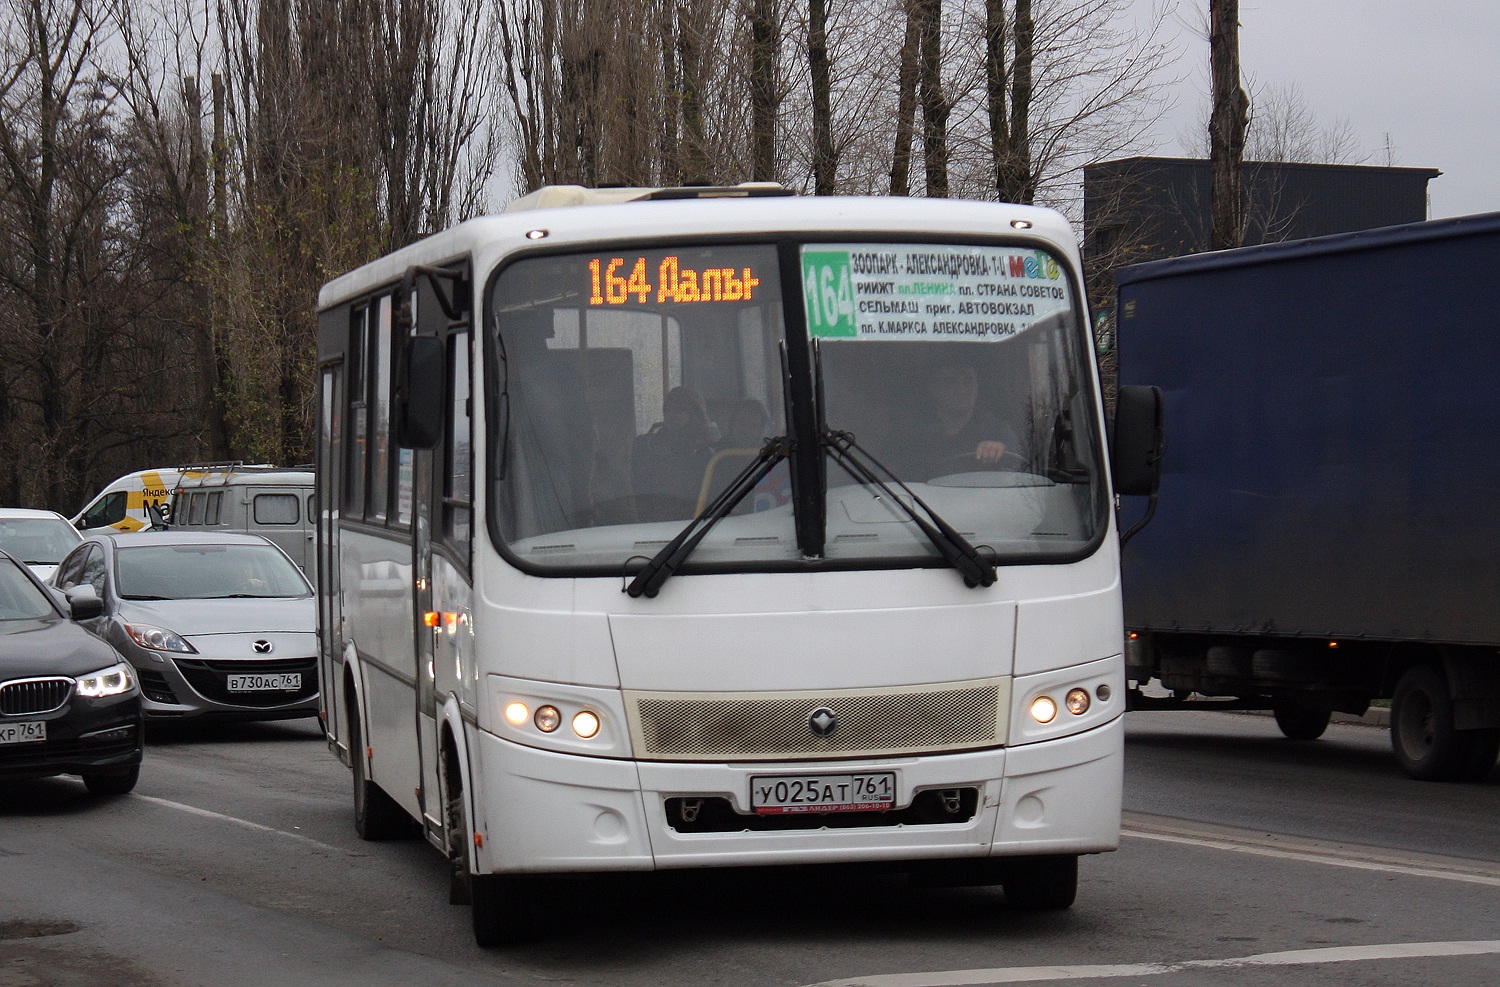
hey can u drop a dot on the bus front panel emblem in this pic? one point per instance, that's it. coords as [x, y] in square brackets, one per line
[262, 647]
[822, 722]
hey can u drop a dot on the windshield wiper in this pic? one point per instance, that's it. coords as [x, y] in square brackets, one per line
[954, 547]
[664, 563]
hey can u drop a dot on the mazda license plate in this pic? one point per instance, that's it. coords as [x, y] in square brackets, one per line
[871, 791]
[29, 732]
[280, 682]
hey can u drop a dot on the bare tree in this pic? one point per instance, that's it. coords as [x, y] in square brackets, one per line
[825, 158]
[765, 90]
[1283, 127]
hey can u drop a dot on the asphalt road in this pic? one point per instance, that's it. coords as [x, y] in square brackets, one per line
[1246, 859]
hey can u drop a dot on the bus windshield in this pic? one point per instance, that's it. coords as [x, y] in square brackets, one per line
[637, 383]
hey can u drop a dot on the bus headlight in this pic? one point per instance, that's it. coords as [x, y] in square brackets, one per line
[558, 717]
[585, 724]
[1078, 701]
[548, 718]
[1043, 709]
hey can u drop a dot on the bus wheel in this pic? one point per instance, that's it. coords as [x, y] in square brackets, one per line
[1422, 734]
[376, 814]
[1298, 722]
[1041, 883]
[503, 908]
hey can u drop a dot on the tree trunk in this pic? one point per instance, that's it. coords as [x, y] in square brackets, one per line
[1227, 125]
[906, 103]
[995, 68]
[825, 161]
[765, 45]
[1022, 183]
[934, 107]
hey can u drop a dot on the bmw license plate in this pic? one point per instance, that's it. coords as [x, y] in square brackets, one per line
[872, 791]
[30, 732]
[280, 682]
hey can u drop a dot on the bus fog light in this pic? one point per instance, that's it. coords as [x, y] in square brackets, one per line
[585, 724]
[1078, 701]
[516, 714]
[548, 718]
[1043, 709]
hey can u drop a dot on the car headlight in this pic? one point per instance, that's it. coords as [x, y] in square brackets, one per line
[158, 638]
[112, 681]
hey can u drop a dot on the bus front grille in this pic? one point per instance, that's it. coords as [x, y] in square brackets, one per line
[668, 726]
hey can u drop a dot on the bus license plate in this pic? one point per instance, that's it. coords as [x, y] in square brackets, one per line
[783, 794]
[283, 682]
[23, 733]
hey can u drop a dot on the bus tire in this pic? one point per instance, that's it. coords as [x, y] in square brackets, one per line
[1298, 722]
[1042, 883]
[503, 909]
[376, 814]
[1427, 746]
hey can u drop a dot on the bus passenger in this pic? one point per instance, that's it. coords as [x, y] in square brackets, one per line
[667, 463]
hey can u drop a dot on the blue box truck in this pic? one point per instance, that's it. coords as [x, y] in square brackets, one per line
[1327, 532]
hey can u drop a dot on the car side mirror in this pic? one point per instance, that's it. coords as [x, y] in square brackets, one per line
[1139, 440]
[84, 602]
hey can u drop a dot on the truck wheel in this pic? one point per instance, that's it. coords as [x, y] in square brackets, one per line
[1298, 722]
[504, 909]
[1042, 883]
[376, 814]
[1422, 734]
[1484, 747]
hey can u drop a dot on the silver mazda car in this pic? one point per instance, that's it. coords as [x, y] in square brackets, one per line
[216, 625]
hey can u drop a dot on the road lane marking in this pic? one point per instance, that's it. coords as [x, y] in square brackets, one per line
[1296, 957]
[244, 823]
[1234, 840]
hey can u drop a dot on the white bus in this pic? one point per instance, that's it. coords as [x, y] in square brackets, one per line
[723, 527]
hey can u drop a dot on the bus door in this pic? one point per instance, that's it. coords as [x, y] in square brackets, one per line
[440, 541]
[328, 492]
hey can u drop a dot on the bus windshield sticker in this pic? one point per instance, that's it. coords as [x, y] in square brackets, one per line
[895, 291]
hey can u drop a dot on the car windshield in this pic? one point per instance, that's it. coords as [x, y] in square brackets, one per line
[206, 572]
[639, 383]
[20, 598]
[37, 541]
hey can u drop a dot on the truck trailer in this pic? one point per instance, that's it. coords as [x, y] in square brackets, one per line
[1327, 529]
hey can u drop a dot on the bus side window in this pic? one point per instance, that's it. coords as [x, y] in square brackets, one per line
[195, 509]
[211, 512]
[458, 483]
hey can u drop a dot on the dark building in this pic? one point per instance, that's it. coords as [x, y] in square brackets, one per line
[1139, 209]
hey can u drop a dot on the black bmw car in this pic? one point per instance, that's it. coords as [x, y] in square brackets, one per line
[68, 703]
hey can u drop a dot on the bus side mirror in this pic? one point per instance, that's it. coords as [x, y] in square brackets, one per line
[1138, 440]
[419, 393]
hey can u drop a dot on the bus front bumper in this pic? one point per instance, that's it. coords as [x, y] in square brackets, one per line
[542, 811]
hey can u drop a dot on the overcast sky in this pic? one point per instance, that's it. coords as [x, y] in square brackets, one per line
[1424, 72]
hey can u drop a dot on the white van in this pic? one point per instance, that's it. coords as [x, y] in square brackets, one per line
[263, 500]
[127, 503]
